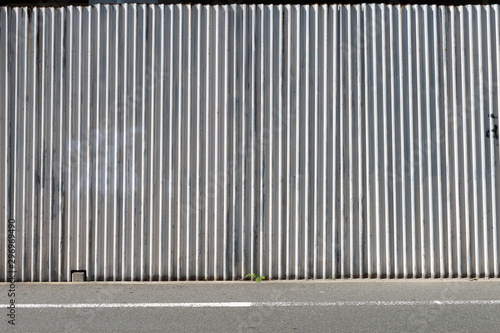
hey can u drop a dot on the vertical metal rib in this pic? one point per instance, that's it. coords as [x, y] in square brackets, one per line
[170, 146]
[33, 144]
[143, 127]
[14, 126]
[465, 143]
[395, 216]
[132, 253]
[280, 235]
[23, 129]
[456, 142]
[60, 158]
[106, 141]
[376, 143]
[428, 116]
[496, 262]
[96, 169]
[297, 142]
[350, 140]
[403, 161]
[188, 148]
[386, 147]
[161, 110]
[180, 112]
[126, 179]
[152, 145]
[420, 143]
[262, 111]
[88, 202]
[271, 139]
[473, 111]
[483, 157]
[50, 149]
[447, 123]
[342, 109]
[288, 261]
[307, 146]
[326, 109]
[116, 104]
[367, 145]
[216, 154]
[207, 122]
[491, 144]
[225, 208]
[253, 186]
[412, 145]
[198, 142]
[244, 115]
[234, 160]
[439, 144]
[5, 144]
[361, 194]
[385, 111]
[316, 147]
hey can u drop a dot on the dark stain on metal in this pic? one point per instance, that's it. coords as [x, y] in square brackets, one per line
[494, 132]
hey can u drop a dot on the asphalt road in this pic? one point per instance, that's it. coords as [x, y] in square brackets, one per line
[305, 306]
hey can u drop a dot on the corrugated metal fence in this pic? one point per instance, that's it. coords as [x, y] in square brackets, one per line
[204, 142]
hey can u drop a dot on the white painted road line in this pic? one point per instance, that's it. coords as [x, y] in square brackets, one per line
[254, 304]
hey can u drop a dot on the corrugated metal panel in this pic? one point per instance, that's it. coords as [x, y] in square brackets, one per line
[197, 142]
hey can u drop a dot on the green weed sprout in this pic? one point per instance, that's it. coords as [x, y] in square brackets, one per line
[257, 277]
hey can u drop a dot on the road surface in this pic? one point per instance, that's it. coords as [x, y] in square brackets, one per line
[302, 306]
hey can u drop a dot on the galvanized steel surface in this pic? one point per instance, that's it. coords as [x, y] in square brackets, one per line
[207, 142]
